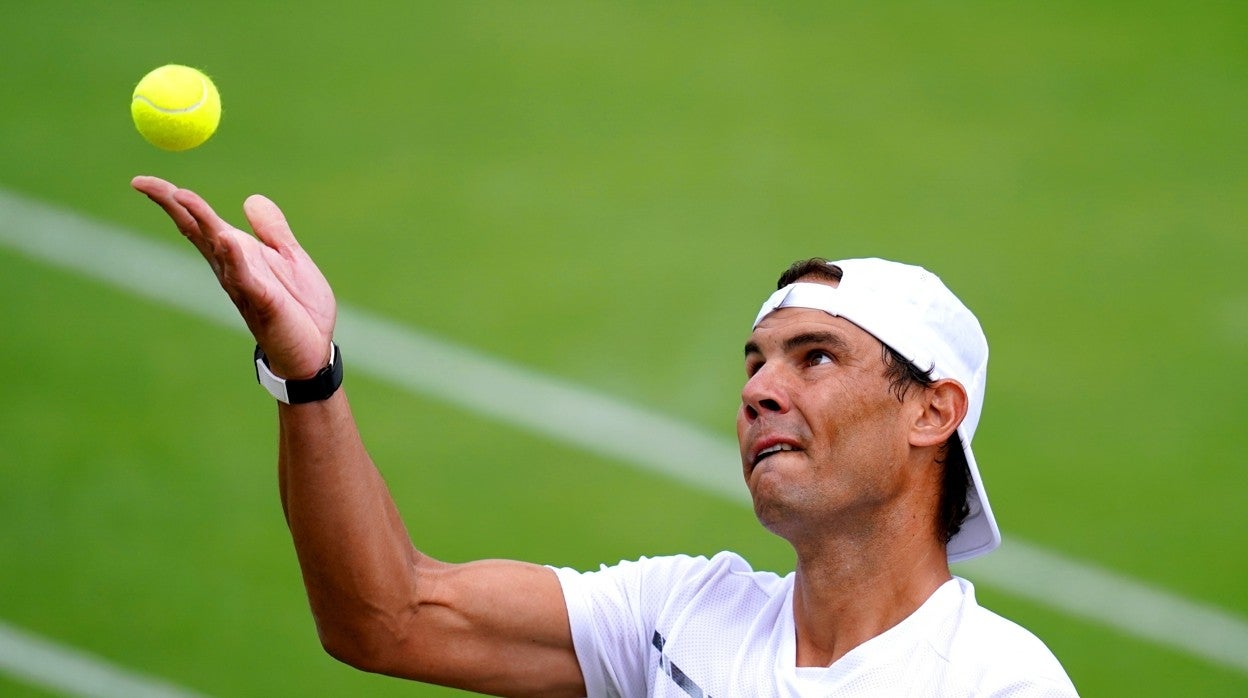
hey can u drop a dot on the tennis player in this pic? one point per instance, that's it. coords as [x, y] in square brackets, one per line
[864, 386]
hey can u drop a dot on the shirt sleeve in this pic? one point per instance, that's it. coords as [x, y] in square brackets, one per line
[612, 613]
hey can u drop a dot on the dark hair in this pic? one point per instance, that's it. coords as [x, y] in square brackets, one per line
[815, 266]
[955, 472]
[902, 376]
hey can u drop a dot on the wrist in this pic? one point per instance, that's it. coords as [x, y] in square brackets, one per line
[319, 387]
[299, 370]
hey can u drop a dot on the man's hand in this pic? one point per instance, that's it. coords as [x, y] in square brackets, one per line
[282, 296]
[380, 604]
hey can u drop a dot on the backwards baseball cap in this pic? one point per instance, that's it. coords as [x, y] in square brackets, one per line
[909, 309]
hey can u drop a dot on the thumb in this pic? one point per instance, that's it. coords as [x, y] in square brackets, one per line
[269, 223]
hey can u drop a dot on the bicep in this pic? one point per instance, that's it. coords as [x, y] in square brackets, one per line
[492, 626]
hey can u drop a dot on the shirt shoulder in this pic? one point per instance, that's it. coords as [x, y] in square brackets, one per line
[641, 622]
[1001, 657]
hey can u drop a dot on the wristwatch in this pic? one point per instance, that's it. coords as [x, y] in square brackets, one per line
[297, 392]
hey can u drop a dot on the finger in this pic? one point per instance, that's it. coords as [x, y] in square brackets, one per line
[149, 185]
[161, 192]
[207, 219]
[269, 223]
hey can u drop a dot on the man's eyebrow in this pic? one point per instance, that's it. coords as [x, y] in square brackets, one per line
[831, 340]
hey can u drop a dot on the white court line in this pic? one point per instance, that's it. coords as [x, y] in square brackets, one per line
[596, 423]
[48, 665]
[1141, 610]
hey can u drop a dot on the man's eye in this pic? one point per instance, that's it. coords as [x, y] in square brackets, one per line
[818, 358]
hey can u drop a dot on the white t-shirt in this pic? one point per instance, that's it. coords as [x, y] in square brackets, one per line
[688, 626]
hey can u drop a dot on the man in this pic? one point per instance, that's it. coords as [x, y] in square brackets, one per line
[864, 384]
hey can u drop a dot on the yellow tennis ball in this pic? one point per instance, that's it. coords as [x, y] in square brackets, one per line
[175, 107]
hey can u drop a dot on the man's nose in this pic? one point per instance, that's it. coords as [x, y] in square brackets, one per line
[764, 393]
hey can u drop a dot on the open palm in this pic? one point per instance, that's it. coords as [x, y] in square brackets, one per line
[277, 288]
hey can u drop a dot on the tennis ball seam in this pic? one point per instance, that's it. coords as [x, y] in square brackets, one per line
[203, 97]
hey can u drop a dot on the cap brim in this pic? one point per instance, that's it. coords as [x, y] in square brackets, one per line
[979, 533]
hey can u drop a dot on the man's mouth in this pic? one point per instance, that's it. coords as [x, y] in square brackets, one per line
[773, 450]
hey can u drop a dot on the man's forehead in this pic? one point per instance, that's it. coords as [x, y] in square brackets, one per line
[785, 323]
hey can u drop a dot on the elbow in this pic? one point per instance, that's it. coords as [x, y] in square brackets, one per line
[344, 648]
[390, 631]
[371, 645]
[347, 645]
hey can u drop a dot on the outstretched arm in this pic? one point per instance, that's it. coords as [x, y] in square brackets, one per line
[380, 604]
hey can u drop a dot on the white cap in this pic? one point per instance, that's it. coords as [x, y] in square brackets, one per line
[909, 309]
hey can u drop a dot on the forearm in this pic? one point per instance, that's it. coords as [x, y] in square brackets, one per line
[358, 563]
[379, 604]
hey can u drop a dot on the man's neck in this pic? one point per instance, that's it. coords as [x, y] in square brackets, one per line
[846, 595]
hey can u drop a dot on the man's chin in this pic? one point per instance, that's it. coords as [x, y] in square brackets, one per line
[773, 515]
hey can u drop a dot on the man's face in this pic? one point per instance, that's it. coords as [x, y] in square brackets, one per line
[824, 440]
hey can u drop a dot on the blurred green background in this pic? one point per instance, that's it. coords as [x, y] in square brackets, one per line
[604, 192]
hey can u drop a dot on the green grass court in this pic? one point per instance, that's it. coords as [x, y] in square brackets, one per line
[604, 193]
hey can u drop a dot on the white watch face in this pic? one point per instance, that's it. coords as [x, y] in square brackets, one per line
[276, 386]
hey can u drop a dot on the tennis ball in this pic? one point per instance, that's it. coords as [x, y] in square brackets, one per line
[175, 107]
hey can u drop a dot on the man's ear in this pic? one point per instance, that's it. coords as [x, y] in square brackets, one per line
[943, 406]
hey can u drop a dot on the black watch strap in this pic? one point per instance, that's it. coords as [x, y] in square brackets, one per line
[297, 392]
